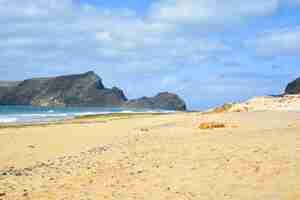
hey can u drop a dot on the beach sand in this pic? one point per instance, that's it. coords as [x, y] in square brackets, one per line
[154, 157]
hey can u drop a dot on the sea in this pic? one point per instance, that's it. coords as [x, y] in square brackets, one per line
[28, 114]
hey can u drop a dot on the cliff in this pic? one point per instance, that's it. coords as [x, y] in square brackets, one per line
[73, 90]
[79, 90]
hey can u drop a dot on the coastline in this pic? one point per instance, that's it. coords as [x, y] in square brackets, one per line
[86, 118]
[154, 156]
[31, 114]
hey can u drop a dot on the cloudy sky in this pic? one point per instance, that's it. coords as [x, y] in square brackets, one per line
[208, 51]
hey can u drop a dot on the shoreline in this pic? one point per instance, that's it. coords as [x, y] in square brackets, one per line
[31, 114]
[88, 118]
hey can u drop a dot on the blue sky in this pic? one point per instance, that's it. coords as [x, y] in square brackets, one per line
[207, 51]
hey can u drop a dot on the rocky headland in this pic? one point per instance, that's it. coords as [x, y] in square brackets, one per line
[85, 89]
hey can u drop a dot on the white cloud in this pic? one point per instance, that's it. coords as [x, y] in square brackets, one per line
[66, 28]
[58, 36]
[278, 42]
[104, 36]
[36, 8]
[210, 11]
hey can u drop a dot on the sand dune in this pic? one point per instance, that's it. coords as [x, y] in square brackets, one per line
[261, 103]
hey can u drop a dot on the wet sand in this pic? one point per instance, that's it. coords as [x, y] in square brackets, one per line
[154, 157]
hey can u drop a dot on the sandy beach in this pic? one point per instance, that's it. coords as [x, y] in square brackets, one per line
[256, 156]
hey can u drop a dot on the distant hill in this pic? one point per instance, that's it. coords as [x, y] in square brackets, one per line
[9, 83]
[84, 89]
[5, 86]
[164, 100]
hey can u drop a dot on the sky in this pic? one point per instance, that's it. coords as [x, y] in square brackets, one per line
[207, 51]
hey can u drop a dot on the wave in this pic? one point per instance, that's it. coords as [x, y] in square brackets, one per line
[17, 118]
[44, 115]
[27, 115]
[128, 111]
[92, 113]
[8, 120]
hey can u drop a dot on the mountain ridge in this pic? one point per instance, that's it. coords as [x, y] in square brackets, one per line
[85, 89]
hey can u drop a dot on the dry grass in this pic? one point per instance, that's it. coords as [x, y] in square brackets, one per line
[224, 108]
[221, 109]
[228, 107]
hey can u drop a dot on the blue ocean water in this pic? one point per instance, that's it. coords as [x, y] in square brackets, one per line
[16, 114]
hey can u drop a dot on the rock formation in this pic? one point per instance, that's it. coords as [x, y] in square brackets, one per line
[293, 87]
[72, 90]
[6, 86]
[79, 90]
[165, 100]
